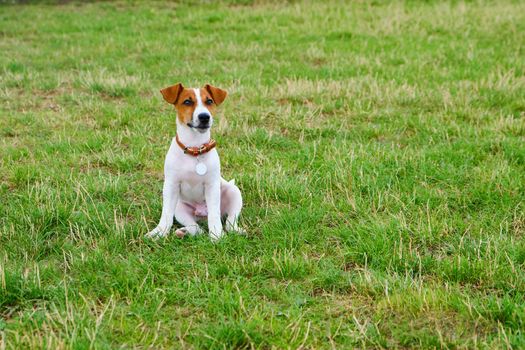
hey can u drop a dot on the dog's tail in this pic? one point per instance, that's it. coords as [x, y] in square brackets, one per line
[225, 183]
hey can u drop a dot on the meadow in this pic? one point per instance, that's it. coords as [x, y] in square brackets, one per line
[379, 146]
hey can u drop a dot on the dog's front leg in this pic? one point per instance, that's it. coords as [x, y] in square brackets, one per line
[170, 197]
[212, 192]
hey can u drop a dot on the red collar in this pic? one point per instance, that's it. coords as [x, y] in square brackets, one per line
[197, 151]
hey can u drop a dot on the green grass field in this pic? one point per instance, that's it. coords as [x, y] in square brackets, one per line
[379, 147]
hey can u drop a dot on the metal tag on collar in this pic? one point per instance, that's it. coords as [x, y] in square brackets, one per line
[201, 168]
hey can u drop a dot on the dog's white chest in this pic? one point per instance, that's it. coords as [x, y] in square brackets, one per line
[192, 193]
[191, 176]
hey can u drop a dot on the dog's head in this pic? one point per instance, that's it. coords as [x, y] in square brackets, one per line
[195, 107]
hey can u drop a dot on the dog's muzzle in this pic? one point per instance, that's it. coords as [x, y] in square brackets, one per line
[203, 124]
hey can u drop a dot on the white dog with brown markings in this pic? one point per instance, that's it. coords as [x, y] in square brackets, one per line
[193, 186]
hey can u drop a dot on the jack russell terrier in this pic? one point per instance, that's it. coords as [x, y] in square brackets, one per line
[193, 186]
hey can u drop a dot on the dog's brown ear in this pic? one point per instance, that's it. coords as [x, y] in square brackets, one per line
[171, 93]
[219, 95]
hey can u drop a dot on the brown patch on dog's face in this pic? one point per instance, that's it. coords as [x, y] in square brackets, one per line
[185, 105]
[183, 99]
[218, 95]
[208, 101]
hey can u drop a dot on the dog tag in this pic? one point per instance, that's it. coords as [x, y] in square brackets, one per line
[201, 168]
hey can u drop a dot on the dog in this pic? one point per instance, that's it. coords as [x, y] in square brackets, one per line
[193, 187]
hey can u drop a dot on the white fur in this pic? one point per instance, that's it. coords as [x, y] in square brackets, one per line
[184, 190]
[200, 108]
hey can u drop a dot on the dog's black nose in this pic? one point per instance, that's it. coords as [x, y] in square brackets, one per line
[204, 117]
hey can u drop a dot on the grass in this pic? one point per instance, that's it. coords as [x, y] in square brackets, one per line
[379, 147]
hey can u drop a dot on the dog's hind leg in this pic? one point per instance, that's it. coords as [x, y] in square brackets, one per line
[184, 214]
[231, 205]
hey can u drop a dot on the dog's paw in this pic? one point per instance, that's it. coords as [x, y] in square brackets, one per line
[235, 229]
[240, 231]
[216, 235]
[188, 230]
[158, 232]
[181, 232]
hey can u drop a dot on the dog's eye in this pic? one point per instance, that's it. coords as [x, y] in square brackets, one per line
[209, 101]
[188, 102]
